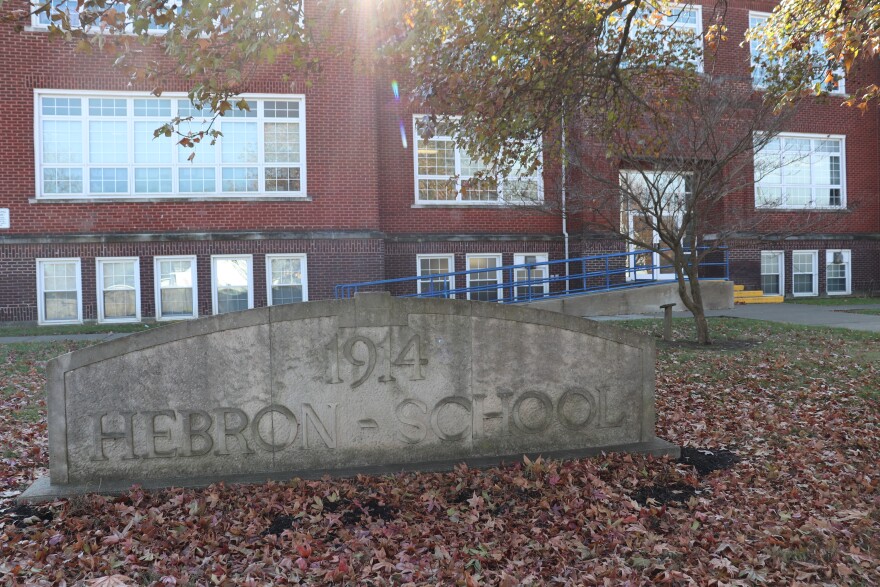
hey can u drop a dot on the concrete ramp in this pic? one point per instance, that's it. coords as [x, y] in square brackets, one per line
[717, 295]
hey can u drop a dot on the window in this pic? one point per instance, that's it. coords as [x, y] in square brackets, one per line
[838, 272]
[42, 20]
[176, 293]
[759, 72]
[484, 282]
[59, 291]
[119, 289]
[533, 274]
[429, 266]
[95, 147]
[801, 171]
[677, 28]
[805, 273]
[232, 281]
[286, 279]
[446, 174]
[772, 273]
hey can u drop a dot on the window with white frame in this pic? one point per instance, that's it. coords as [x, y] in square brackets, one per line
[838, 272]
[59, 291]
[805, 273]
[446, 173]
[176, 291]
[118, 289]
[773, 273]
[686, 23]
[535, 276]
[430, 268]
[286, 279]
[483, 285]
[232, 280]
[98, 147]
[801, 171]
[759, 72]
[73, 11]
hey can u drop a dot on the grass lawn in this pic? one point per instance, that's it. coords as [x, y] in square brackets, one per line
[8, 329]
[799, 406]
[834, 301]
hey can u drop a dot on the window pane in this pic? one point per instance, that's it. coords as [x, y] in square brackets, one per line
[62, 141]
[151, 107]
[198, 180]
[487, 280]
[120, 304]
[436, 157]
[770, 284]
[278, 109]
[436, 285]
[108, 142]
[118, 275]
[108, 181]
[282, 142]
[282, 179]
[152, 181]
[240, 179]
[60, 306]
[802, 283]
[107, 107]
[436, 189]
[177, 302]
[239, 142]
[62, 181]
[232, 281]
[150, 149]
[62, 106]
[176, 273]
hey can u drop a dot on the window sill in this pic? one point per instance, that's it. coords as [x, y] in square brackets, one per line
[159, 200]
[483, 206]
[801, 209]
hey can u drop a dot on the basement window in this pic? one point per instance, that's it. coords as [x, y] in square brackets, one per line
[59, 291]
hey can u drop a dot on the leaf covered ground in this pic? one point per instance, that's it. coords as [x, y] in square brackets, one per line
[799, 407]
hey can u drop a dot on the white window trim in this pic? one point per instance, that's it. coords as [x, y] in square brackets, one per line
[41, 302]
[499, 273]
[305, 274]
[829, 256]
[449, 257]
[815, 291]
[250, 267]
[780, 260]
[519, 259]
[99, 288]
[157, 284]
[841, 88]
[175, 164]
[458, 201]
[812, 136]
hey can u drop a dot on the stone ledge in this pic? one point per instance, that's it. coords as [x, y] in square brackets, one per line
[42, 489]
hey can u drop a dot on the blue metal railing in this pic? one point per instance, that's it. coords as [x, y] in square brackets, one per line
[545, 279]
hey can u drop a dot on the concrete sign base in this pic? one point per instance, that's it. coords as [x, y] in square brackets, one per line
[371, 385]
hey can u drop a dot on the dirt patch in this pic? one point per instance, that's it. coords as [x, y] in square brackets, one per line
[675, 493]
[706, 461]
[26, 515]
[280, 524]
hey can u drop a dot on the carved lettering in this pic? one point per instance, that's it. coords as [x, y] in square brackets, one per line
[191, 431]
[421, 429]
[370, 363]
[153, 435]
[452, 400]
[414, 346]
[546, 412]
[225, 429]
[564, 411]
[271, 445]
[101, 436]
[480, 416]
[327, 434]
[604, 420]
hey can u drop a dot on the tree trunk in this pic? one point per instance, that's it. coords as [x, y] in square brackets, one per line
[691, 295]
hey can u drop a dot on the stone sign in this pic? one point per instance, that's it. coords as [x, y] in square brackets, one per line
[373, 384]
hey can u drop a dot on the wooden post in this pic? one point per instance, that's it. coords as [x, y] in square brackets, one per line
[667, 321]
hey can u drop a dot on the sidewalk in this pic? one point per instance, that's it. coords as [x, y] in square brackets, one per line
[804, 314]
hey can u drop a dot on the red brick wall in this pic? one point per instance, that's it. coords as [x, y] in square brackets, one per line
[329, 262]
